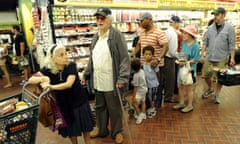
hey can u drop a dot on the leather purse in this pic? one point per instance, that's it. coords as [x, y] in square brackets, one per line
[46, 113]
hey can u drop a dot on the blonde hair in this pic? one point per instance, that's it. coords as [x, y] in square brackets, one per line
[49, 61]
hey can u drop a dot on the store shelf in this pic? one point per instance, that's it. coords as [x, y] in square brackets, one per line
[77, 44]
[74, 34]
[57, 24]
[150, 4]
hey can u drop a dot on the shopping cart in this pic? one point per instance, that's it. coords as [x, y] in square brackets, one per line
[19, 127]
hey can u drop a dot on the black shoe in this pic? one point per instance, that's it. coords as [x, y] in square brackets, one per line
[171, 101]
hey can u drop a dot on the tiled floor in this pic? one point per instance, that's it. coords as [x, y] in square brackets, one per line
[207, 124]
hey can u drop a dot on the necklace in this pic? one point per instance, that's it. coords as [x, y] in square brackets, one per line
[60, 76]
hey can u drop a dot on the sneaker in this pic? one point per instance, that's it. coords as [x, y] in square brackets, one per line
[149, 115]
[135, 116]
[144, 116]
[140, 118]
[187, 109]
[207, 93]
[179, 106]
[23, 82]
[216, 100]
[153, 112]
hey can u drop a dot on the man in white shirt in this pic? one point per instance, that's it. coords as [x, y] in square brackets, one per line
[170, 57]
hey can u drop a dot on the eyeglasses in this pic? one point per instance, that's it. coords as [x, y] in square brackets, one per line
[100, 18]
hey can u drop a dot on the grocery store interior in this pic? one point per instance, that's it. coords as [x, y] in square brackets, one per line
[71, 23]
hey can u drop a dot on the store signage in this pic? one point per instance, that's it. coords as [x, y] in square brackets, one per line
[163, 4]
[79, 1]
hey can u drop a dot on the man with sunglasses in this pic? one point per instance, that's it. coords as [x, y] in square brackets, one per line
[108, 71]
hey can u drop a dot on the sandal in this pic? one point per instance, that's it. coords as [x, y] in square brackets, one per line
[8, 86]
[119, 138]
[94, 133]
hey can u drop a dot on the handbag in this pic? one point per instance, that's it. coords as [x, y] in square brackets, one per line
[59, 121]
[185, 75]
[46, 117]
[50, 114]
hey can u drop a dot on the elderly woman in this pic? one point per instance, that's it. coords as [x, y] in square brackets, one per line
[61, 77]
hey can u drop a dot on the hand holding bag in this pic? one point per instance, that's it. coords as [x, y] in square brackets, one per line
[23, 62]
[185, 75]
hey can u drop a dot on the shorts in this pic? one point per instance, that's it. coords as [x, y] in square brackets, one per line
[152, 94]
[139, 99]
[3, 61]
[207, 70]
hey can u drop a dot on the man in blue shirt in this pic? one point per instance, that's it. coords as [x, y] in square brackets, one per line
[219, 44]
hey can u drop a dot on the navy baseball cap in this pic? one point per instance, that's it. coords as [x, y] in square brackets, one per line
[103, 12]
[175, 19]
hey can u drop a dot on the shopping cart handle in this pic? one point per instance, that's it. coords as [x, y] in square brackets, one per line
[25, 84]
[42, 94]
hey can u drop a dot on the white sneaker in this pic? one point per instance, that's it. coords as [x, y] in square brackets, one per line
[23, 82]
[153, 112]
[144, 116]
[135, 116]
[149, 113]
[216, 100]
[140, 118]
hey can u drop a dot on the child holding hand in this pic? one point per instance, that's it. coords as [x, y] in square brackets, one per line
[139, 90]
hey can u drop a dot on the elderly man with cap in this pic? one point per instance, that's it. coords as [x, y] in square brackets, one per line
[219, 44]
[150, 35]
[169, 68]
[108, 71]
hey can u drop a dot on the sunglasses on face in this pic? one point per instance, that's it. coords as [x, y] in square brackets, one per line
[100, 18]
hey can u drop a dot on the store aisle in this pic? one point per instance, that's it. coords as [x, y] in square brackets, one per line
[207, 124]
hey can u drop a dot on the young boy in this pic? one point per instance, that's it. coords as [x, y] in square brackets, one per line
[139, 90]
[151, 74]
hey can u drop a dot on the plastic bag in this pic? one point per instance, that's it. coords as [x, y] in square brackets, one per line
[23, 62]
[185, 75]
